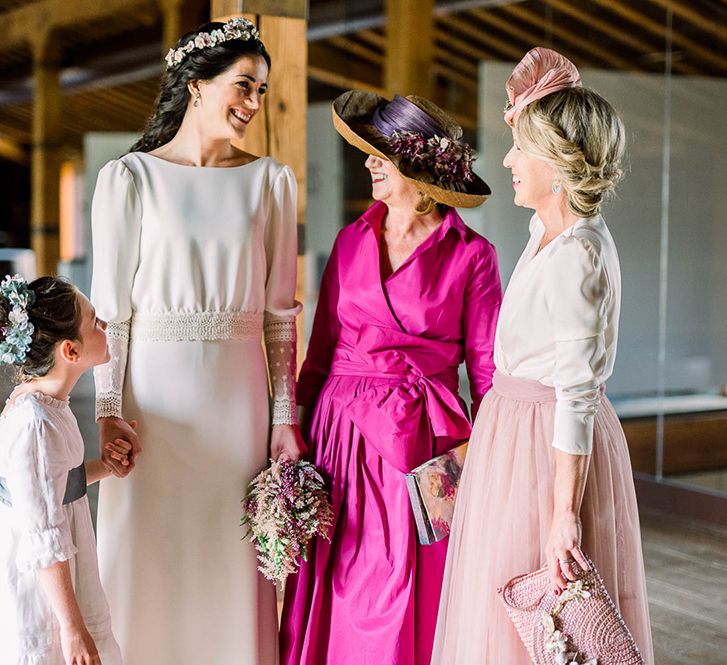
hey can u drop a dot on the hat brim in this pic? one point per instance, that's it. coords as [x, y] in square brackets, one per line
[352, 113]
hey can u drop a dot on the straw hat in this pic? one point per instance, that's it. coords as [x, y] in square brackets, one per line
[353, 118]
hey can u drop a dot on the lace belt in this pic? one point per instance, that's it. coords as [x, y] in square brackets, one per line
[75, 487]
[196, 326]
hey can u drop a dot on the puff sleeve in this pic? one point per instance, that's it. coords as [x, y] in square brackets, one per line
[482, 300]
[577, 296]
[281, 308]
[116, 231]
[37, 473]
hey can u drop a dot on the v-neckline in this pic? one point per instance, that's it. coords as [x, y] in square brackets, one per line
[419, 249]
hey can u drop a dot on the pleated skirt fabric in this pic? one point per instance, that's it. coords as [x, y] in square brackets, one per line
[503, 517]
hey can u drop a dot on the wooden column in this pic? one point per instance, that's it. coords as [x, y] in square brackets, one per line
[46, 156]
[279, 130]
[178, 18]
[409, 47]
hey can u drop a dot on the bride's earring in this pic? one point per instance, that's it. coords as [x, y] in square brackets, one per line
[197, 97]
[556, 187]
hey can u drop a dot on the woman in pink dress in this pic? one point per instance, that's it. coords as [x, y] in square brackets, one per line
[409, 293]
[547, 460]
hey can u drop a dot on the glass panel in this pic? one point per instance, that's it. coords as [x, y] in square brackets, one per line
[695, 370]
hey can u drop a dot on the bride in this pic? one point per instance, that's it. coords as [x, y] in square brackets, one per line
[194, 259]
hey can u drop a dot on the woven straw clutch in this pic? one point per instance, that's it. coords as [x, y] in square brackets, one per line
[580, 626]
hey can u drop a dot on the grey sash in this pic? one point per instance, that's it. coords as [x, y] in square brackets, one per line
[75, 487]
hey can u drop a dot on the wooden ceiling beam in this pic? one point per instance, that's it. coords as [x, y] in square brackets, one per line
[463, 66]
[22, 24]
[718, 28]
[349, 46]
[623, 36]
[658, 29]
[373, 38]
[501, 46]
[446, 72]
[444, 43]
[330, 66]
[13, 151]
[592, 51]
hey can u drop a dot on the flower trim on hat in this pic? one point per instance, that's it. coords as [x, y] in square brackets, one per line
[236, 28]
[448, 160]
[18, 335]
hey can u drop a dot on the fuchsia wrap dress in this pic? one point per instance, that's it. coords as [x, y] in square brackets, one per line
[381, 378]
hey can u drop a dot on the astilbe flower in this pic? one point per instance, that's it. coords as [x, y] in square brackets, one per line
[285, 507]
[446, 159]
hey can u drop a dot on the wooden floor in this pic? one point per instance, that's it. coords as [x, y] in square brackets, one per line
[686, 571]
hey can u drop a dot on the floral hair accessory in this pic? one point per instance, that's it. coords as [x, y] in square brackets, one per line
[541, 72]
[236, 28]
[285, 507]
[17, 336]
[448, 160]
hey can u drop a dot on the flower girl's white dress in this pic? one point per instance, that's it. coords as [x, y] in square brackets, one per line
[39, 444]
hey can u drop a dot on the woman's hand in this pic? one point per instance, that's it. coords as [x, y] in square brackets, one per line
[563, 550]
[286, 443]
[113, 430]
[78, 646]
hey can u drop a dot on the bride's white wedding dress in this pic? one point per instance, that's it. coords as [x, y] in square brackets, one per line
[191, 265]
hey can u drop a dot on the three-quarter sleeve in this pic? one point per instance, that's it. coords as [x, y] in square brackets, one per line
[482, 300]
[36, 480]
[281, 307]
[577, 293]
[324, 335]
[116, 230]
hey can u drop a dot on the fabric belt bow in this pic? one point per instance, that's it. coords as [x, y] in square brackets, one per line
[401, 417]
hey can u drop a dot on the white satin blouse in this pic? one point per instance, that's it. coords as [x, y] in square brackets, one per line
[559, 323]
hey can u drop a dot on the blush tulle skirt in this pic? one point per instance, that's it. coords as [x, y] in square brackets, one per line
[503, 516]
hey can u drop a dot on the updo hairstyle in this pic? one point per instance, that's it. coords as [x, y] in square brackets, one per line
[580, 135]
[55, 315]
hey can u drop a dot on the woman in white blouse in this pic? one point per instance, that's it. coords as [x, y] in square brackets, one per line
[548, 469]
[194, 260]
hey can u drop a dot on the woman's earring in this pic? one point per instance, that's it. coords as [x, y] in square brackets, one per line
[197, 97]
[556, 187]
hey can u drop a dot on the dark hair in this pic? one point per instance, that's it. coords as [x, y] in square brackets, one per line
[201, 64]
[55, 315]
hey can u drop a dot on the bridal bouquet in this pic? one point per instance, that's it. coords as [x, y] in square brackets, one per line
[285, 507]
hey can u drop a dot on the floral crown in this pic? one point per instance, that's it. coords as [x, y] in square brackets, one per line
[235, 28]
[17, 336]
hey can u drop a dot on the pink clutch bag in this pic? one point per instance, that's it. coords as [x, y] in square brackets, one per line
[580, 627]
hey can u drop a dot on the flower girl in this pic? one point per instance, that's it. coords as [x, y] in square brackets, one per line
[53, 607]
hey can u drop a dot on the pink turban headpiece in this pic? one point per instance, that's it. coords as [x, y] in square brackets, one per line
[541, 72]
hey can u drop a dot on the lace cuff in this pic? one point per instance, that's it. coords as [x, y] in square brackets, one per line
[109, 378]
[280, 344]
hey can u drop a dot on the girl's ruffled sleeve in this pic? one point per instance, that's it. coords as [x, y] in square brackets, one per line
[36, 480]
